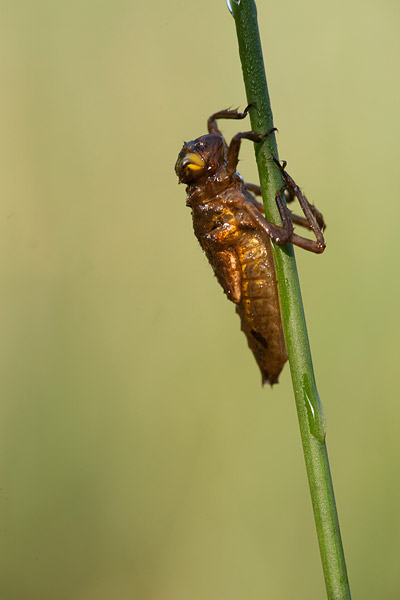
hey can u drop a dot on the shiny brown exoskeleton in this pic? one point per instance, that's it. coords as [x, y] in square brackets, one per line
[236, 237]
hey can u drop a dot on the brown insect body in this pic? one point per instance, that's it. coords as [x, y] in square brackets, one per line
[236, 238]
[241, 256]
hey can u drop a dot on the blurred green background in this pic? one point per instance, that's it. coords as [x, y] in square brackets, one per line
[140, 457]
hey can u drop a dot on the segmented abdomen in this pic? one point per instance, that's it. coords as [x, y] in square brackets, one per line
[258, 308]
[241, 256]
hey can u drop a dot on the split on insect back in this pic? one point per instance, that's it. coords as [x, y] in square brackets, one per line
[231, 228]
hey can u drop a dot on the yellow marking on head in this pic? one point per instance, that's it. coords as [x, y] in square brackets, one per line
[194, 161]
[194, 167]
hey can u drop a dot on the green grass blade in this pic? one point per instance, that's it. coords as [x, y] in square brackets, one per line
[309, 408]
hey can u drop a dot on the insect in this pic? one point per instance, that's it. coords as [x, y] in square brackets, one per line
[229, 223]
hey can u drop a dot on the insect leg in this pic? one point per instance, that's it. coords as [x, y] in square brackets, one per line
[249, 190]
[296, 219]
[283, 235]
[225, 114]
[254, 188]
[314, 218]
[279, 234]
[294, 191]
[285, 213]
[232, 156]
[318, 216]
[291, 196]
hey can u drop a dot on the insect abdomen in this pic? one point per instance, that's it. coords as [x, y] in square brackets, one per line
[258, 308]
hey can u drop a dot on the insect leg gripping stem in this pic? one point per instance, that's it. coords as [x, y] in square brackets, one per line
[226, 114]
[234, 146]
[314, 219]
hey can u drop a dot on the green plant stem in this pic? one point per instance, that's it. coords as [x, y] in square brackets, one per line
[309, 409]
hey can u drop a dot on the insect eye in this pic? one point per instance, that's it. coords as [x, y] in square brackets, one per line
[191, 167]
[193, 162]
